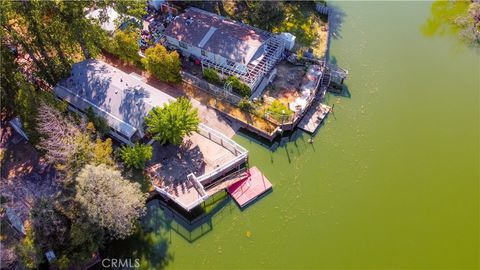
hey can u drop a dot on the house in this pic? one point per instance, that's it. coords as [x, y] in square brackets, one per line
[231, 47]
[122, 99]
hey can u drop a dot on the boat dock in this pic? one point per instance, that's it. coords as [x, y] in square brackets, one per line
[250, 188]
[314, 117]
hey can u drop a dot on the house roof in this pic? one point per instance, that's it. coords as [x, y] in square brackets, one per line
[216, 34]
[120, 98]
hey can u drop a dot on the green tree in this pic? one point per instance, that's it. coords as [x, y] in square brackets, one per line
[26, 108]
[172, 122]
[30, 255]
[89, 36]
[102, 152]
[125, 46]
[135, 8]
[109, 200]
[164, 65]
[8, 78]
[136, 156]
[100, 124]
[266, 14]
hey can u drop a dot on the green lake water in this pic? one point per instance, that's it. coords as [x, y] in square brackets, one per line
[391, 180]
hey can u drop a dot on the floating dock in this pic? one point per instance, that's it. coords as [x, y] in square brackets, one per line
[247, 190]
[314, 117]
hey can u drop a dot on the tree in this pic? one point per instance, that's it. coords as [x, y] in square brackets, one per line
[60, 136]
[102, 152]
[26, 108]
[173, 121]
[266, 14]
[469, 24]
[100, 124]
[8, 78]
[135, 8]
[49, 224]
[109, 200]
[164, 65]
[30, 255]
[82, 31]
[125, 46]
[460, 18]
[136, 156]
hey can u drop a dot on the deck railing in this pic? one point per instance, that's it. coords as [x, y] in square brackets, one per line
[240, 153]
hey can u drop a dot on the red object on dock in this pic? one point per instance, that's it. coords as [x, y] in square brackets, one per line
[247, 190]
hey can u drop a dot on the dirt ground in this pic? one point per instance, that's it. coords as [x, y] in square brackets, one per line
[25, 177]
[286, 85]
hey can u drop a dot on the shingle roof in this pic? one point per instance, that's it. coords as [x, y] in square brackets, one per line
[217, 34]
[113, 94]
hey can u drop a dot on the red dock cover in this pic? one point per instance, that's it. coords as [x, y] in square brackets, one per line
[245, 191]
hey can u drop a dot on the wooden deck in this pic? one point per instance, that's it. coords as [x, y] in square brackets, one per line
[247, 190]
[314, 117]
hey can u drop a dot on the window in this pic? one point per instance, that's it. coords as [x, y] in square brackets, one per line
[183, 44]
[204, 53]
[230, 63]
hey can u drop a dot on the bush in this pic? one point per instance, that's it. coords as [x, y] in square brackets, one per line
[239, 87]
[211, 76]
[136, 156]
[245, 104]
[279, 111]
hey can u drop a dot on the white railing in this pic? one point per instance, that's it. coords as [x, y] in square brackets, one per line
[240, 153]
[187, 207]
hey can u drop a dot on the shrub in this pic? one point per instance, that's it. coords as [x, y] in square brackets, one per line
[279, 111]
[239, 87]
[245, 104]
[211, 76]
[136, 156]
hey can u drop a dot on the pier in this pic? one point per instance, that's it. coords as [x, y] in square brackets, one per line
[314, 117]
[247, 190]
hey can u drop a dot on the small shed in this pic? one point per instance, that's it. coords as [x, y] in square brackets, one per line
[288, 39]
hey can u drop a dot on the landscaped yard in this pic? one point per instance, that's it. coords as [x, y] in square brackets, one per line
[304, 22]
